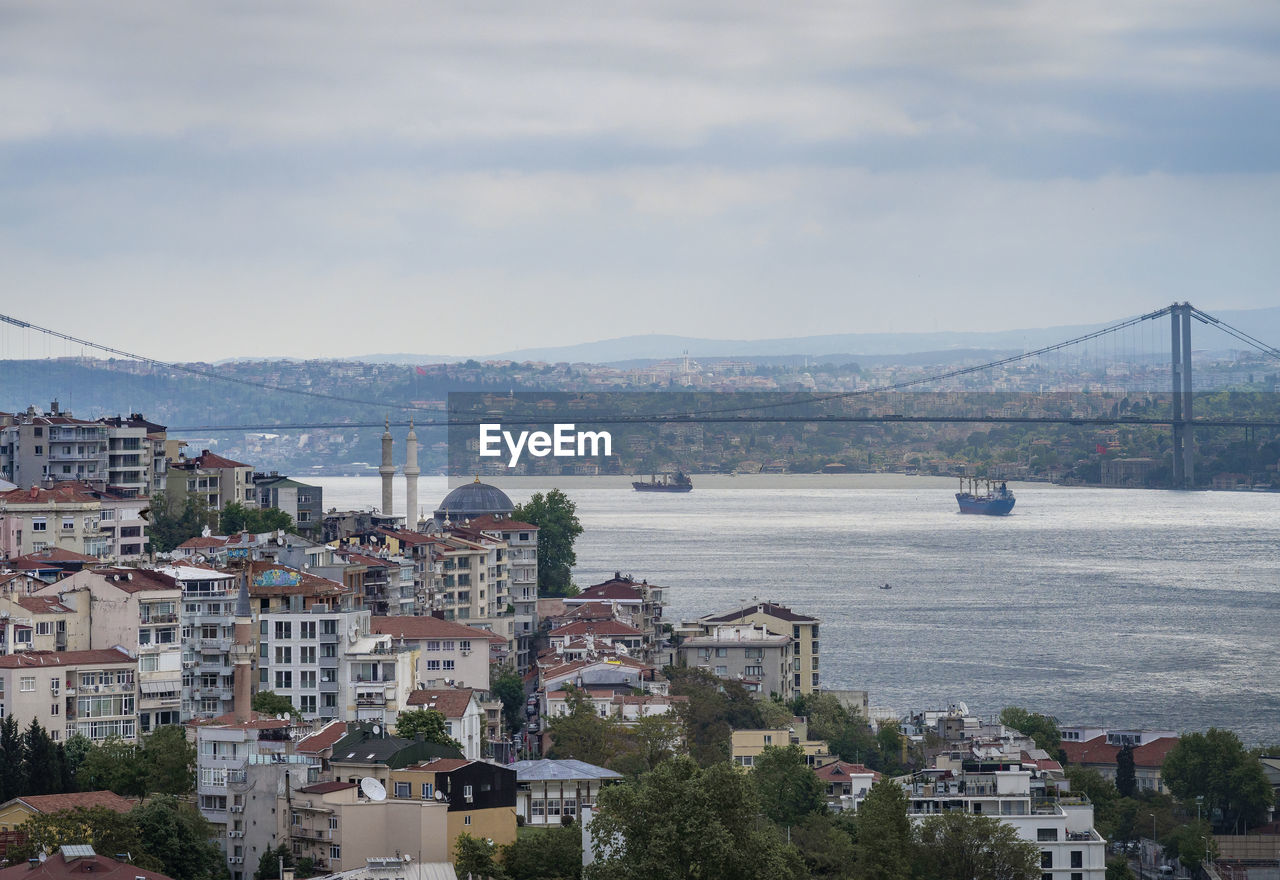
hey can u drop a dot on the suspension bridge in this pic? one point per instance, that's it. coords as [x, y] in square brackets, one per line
[1153, 361]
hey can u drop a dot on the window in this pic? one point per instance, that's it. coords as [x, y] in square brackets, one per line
[427, 791]
[537, 806]
[44, 628]
[55, 709]
[307, 629]
[722, 652]
[27, 683]
[335, 852]
[553, 807]
[1046, 859]
[284, 629]
[570, 807]
[448, 664]
[1046, 834]
[307, 655]
[466, 820]
[467, 793]
[284, 679]
[284, 654]
[402, 789]
[333, 823]
[39, 524]
[768, 739]
[1077, 858]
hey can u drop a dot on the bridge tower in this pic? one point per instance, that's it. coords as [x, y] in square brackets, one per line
[1183, 435]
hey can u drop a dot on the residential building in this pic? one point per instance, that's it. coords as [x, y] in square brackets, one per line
[551, 790]
[522, 563]
[38, 447]
[66, 517]
[138, 609]
[749, 654]
[745, 746]
[464, 717]
[302, 501]
[451, 654]
[207, 631]
[845, 783]
[779, 620]
[216, 480]
[1100, 753]
[40, 623]
[136, 462]
[637, 603]
[481, 796]
[93, 693]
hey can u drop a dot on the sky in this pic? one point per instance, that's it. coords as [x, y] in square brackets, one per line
[196, 180]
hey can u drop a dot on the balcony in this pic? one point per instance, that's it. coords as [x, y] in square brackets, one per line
[371, 699]
[312, 833]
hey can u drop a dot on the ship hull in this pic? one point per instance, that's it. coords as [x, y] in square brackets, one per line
[984, 506]
[659, 487]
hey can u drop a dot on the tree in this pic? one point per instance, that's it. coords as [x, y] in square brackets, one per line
[1118, 869]
[271, 703]
[1041, 728]
[1216, 765]
[41, 762]
[961, 846]
[507, 685]
[116, 765]
[235, 517]
[826, 847]
[13, 763]
[270, 861]
[474, 858]
[1100, 791]
[885, 836]
[1126, 775]
[77, 747]
[685, 821]
[582, 733]
[171, 522]
[428, 723]
[1189, 842]
[179, 837]
[558, 527]
[714, 710]
[170, 761]
[786, 785]
[101, 827]
[553, 854]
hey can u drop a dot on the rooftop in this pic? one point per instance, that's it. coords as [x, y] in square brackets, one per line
[546, 769]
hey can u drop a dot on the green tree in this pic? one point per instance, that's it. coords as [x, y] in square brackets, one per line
[102, 828]
[270, 861]
[552, 854]
[886, 838]
[41, 760]
[235, 517]
[13, 762]
[475, 857]
[962, 846]
[170, 761]
[1216, 765]
[582, 733]
[77, 747]
[1126, 774]
[115, 765]
[1101, 791]
[170, 521]
[558, 527]
[179, 837]
[786, 786]
[826, 847]
[685, 821]
[429, 723]
[507, 685]
[654, 739]
[714, 710]
[1189, 842]
[1118, 869]
[271, 703]
[1041, 728]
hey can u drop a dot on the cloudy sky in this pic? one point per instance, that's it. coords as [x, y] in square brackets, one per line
[332, 178]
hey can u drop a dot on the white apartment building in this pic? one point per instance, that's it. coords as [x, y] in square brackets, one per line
[522, 566]
[450, 654]
[207, 630]
[88, 692]
[67, 517]
[752, 655]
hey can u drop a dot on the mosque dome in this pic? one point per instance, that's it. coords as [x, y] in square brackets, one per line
[473, 500]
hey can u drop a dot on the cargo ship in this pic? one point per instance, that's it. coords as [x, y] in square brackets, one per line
[990, 502]
[679, 482]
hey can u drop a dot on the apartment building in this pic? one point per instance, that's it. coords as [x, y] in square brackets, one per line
[450, 654]
[38, 447]
[464, 715]
[206, 630]
[139, 609]
[522, 565]
[216, 480]
[780, 620]
[637, 603]
[40, 623]
[66, 517]
[303, 502]
[751, 655]
[93, 693]
[136, 463]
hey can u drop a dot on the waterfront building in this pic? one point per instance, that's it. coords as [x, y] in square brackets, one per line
[751, 655]
[780, 620]
[636, 603]
[1100, 752]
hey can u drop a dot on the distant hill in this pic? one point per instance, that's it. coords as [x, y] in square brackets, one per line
[837, 347]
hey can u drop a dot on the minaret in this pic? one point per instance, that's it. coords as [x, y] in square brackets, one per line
[387, 469]
[411, 472]
[242, 655]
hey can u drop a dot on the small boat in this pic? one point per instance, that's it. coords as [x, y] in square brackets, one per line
[887, 587]
[988, 500]
[677, 482]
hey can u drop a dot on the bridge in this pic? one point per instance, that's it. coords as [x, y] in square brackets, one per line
[1163, 367]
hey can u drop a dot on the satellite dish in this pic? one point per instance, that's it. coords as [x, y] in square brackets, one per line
[439, 795]
[964, 710]
[377, 730]
[373, 789]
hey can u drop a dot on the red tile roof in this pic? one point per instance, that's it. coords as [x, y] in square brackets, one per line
[136, 580]
[42, 604]
[617, 591]
[443, 765]
[838, 771]
[99, 867]
[598, 628]
[201, 542]
[76, 494]
[207, 459]
[52, 803]
[491, 523]
[771, 608]
[449, 702]
[428, 628]
[322, 739]
[50, 659]
[51, 555]
[1098, 751]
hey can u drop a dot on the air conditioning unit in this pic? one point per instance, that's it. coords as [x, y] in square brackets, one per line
[235, 834]
[235, 860]
[237, 809]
